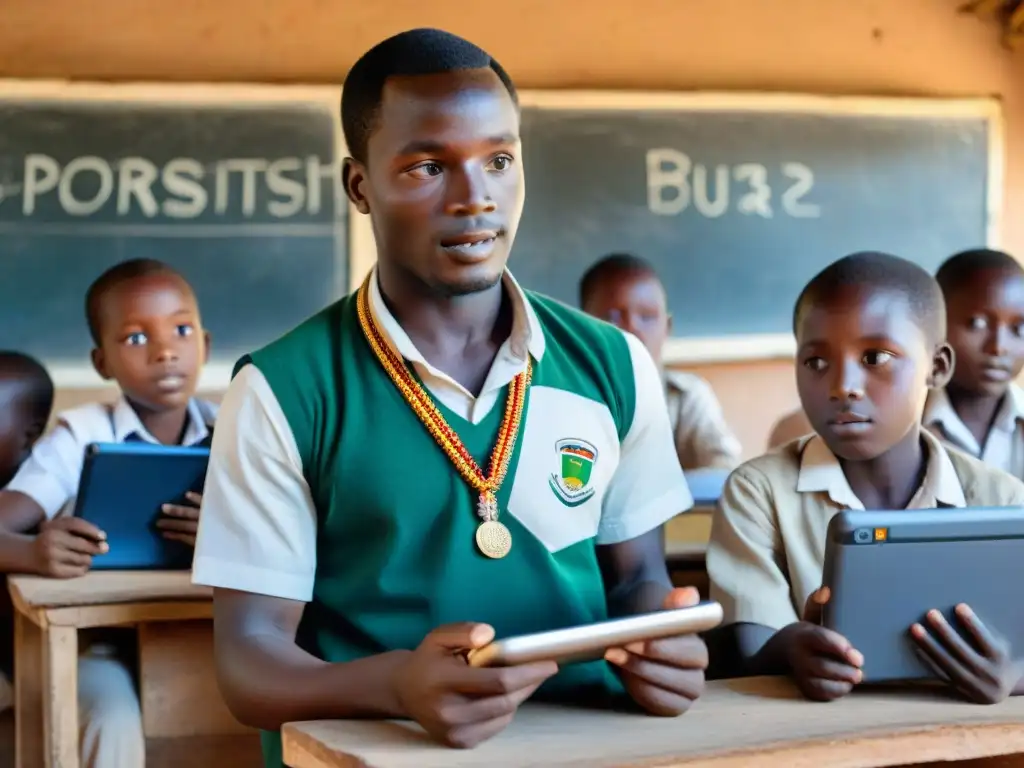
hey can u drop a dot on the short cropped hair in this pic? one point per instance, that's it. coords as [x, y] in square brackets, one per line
[38, 386]
[117, 275]
[957, 270]
[883, 273]
[414, 52]
[614, 265]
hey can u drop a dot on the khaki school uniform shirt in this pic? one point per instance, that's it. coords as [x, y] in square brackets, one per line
[703, 439]
[767, 547]
[1004, 446]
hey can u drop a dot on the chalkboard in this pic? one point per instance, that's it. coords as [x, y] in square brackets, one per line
[737, 206]
[238, 192]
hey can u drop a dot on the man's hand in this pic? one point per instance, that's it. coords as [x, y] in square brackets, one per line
[664, 676]
[65, 547]
[455, 703]
[985, 673]
[181, 521]
[823, 663]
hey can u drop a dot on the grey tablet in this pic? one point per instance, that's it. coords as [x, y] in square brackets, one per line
[887, 569]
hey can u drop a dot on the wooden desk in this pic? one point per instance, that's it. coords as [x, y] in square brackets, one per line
[759, 722]
[48, 615]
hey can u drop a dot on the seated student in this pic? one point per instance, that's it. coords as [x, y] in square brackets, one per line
[146, 327]
[26, 399]
[625, 290]
[791, 426]
[870, 331]
[981, 410]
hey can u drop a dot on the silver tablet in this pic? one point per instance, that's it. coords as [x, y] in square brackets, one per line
[590, 641]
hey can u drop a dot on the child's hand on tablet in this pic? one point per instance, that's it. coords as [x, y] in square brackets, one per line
[982, 670]
[664, 676]
[457, 704]
[823, 663]
[180, 522]
[66, 546]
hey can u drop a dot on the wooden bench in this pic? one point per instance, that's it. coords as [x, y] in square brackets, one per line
[762, 722]
[178, 685]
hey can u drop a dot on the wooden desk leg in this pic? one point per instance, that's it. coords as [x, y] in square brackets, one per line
[60, 707]
[28, 693]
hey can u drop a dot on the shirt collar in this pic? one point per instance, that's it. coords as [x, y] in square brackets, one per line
[938, 410]
[820, 472]
[127, 426]
[527, 336]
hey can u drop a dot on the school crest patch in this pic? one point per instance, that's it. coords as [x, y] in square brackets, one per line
[576, 459]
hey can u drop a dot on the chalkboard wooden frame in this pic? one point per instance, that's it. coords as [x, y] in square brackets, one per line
[774, 346]
[215, 375]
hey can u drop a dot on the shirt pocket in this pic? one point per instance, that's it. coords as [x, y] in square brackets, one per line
[569, 452]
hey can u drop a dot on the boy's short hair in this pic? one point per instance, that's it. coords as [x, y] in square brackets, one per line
[611, 266]
[118, 274]
[35, 378]
[957, 270]
[882, 272]
[413, 52]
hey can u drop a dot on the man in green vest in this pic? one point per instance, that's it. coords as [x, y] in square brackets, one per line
[441, 457]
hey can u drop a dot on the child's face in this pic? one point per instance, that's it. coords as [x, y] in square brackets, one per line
[985, 319]
[152, 342]
[635, 303]
[864, 368]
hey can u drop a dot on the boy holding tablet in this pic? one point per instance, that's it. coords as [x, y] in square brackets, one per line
[870, 333]
[981, 410]
[149, 338]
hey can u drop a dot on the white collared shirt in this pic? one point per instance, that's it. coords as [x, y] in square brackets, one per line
[1004, 445]
[526, 339]
[820, 472]
[51, 474]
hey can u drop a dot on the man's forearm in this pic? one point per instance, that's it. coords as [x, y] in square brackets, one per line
[268, 681]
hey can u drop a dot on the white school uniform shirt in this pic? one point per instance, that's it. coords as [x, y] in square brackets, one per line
[51, 474]
[1004, 446]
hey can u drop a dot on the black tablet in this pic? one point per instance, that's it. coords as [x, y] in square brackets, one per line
[122, 489]
[887, 569]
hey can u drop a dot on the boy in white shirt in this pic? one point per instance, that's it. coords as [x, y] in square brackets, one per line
[981, 410]
[148, 337]
[26, 399]
[625, 291]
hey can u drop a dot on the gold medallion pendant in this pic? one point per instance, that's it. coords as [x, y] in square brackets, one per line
[493, 539]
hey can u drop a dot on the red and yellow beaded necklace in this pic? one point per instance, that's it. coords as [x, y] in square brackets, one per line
[492, 537]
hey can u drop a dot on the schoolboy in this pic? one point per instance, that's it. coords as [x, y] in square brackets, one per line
[353, 547]
[625, 290]
[149, 338]
[26, 399]
[981, 410]
[870, 333]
